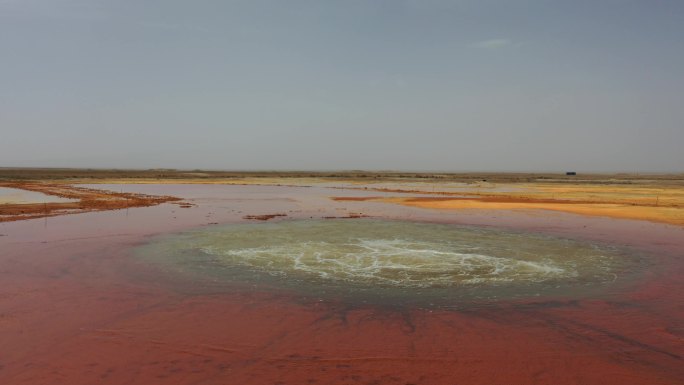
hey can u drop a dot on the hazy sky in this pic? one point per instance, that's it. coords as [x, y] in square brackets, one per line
[462, 85]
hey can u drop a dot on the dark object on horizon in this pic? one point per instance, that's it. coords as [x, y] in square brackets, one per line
[570, 173]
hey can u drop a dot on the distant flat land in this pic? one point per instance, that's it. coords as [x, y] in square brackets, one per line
[652, 197]
[54, 174]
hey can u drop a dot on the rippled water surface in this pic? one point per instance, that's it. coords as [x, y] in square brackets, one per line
[390, 258]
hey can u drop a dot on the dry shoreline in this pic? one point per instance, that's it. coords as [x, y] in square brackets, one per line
[86, 200]
[671, 214]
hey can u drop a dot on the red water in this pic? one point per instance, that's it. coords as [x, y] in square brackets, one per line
[77, 308]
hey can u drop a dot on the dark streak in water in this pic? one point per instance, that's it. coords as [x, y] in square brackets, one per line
[606, 333]
[525, 315]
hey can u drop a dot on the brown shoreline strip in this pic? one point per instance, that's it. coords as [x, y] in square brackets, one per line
[263, 217]
[86, 200]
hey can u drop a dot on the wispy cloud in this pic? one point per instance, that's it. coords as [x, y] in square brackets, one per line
[492, 43]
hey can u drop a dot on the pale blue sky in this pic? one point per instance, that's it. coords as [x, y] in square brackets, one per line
[463, 85]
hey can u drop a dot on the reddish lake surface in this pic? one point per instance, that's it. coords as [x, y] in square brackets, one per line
[77, 307]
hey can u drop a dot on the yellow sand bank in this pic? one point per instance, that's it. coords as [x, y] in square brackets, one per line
[672, 215]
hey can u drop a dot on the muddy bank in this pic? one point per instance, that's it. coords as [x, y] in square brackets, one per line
[84, 199]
